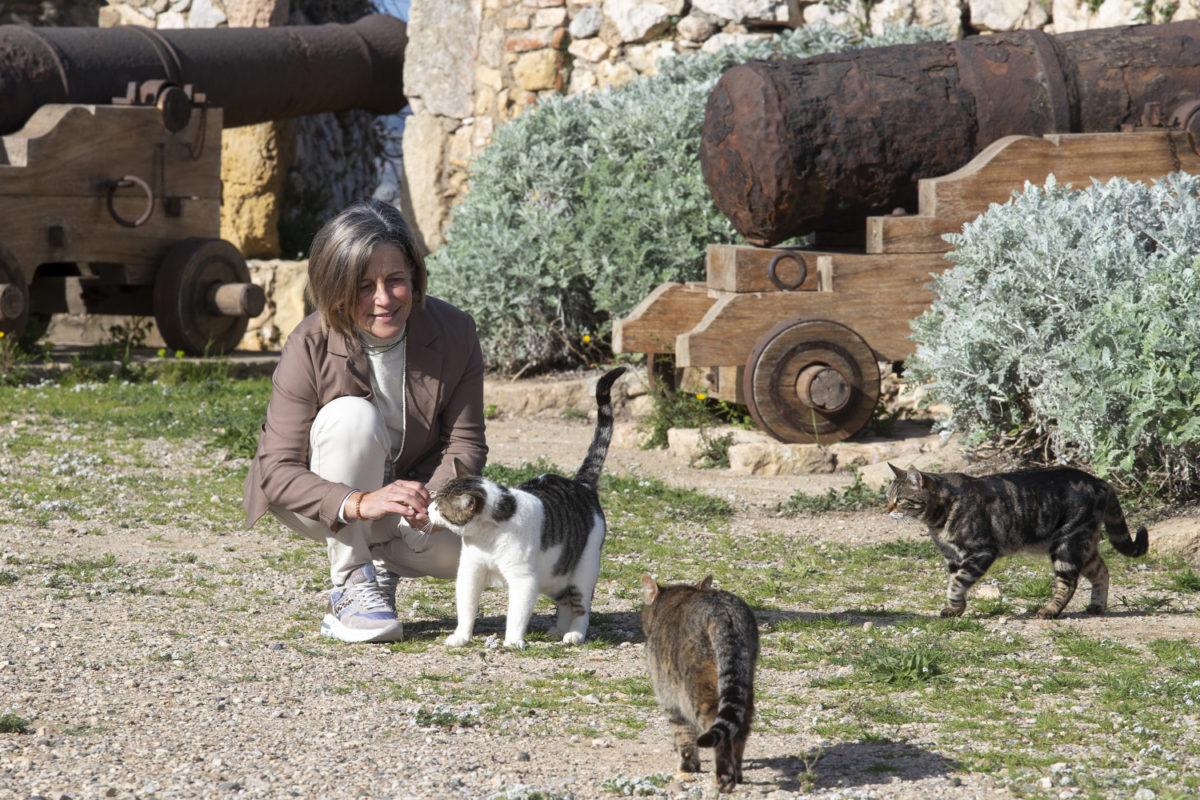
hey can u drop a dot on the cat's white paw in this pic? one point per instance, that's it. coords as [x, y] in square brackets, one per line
[457, 640]
[515, 644]
[573, 637]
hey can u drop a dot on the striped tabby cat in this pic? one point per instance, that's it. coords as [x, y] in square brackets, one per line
[1056, 511]
[543, 536]
[702, 648]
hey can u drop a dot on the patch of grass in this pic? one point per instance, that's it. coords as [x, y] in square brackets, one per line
[855, 497]
[651, 495]
[991, 606]
[1187, 581]
[901, 667]
[1037, 587]
[446, 718]
[1101, 652]
[515, 476]
[11, 723]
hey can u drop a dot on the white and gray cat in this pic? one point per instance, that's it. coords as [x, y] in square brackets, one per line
[542, 537]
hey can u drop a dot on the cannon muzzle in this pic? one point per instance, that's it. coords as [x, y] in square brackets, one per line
[253, 74]
[816, 145]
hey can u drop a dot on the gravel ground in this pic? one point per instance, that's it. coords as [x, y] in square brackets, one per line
[137, 686]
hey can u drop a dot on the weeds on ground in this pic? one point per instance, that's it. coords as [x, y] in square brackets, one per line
[680, 409]
[630, 786]
[11, 723]
[17, 358]
[855, 497]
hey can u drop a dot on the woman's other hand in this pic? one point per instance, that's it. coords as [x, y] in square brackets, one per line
[409, 499]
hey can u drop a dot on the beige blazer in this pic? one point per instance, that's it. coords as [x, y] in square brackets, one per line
[443, 409]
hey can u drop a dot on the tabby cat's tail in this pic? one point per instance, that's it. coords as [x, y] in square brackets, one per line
[593, 462]
[1118, 530]
[735, 687]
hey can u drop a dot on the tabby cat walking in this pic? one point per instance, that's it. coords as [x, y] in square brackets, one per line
[543, 536]
[1056, 511]
[702, 648]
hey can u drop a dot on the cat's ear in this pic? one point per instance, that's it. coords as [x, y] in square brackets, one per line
[899, 473]
[705, 584]
[460, 469]
[649, 589]
[921, 480]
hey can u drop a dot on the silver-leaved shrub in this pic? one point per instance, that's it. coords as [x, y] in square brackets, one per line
[582, 206]
[1070, 319]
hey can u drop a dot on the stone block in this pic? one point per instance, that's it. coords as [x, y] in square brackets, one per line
[550, 18]
[696, 27]
[283, 283]
[636, 21]
[687, 443]
[425, 142]
[441, 54]
[586, 23]
[592, 50]
[776, 458]
[1007, 15]
[739, 11]
[1076, 15]
[537, 70]
[528, 40]
[254, 162]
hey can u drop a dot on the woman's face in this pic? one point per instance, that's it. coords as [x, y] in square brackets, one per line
[385, 293]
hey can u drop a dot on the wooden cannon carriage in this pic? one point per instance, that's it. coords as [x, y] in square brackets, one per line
[110, 161]
[797, 334]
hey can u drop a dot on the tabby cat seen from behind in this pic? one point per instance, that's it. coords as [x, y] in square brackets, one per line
[702, 648]
[1056, 511]
[542, 537]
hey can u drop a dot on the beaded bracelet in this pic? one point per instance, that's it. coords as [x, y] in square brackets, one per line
[358, 505]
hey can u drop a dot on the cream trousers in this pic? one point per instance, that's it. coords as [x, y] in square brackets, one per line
[349, 444]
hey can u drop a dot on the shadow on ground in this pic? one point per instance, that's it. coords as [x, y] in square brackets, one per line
[854, 764]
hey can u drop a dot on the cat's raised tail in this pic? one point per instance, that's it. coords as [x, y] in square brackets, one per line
[1118, 530]
[593, 462]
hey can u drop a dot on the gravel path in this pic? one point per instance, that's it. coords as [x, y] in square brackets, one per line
[183, 665]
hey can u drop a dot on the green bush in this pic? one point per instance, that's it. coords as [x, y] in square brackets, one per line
[1068, 323]
[580, 207]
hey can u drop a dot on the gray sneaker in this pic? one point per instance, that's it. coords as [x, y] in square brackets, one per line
[387, 581]
[359, 611]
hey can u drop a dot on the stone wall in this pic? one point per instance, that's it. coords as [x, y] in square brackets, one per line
[475, 64]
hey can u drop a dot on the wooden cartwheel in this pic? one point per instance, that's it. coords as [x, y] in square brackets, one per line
[203, 297]
[811, 380]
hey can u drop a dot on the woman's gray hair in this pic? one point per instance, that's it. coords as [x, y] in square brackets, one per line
[340, 253]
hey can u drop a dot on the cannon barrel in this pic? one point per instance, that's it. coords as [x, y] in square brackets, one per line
[812, 145]
[253, 74]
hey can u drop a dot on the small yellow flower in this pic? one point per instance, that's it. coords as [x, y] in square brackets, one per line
[1, 334]
[701, 397]
[179, 354]
[162, 352]
[586, 338]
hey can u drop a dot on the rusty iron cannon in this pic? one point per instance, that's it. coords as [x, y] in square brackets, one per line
[876, 155]
[110, 161]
